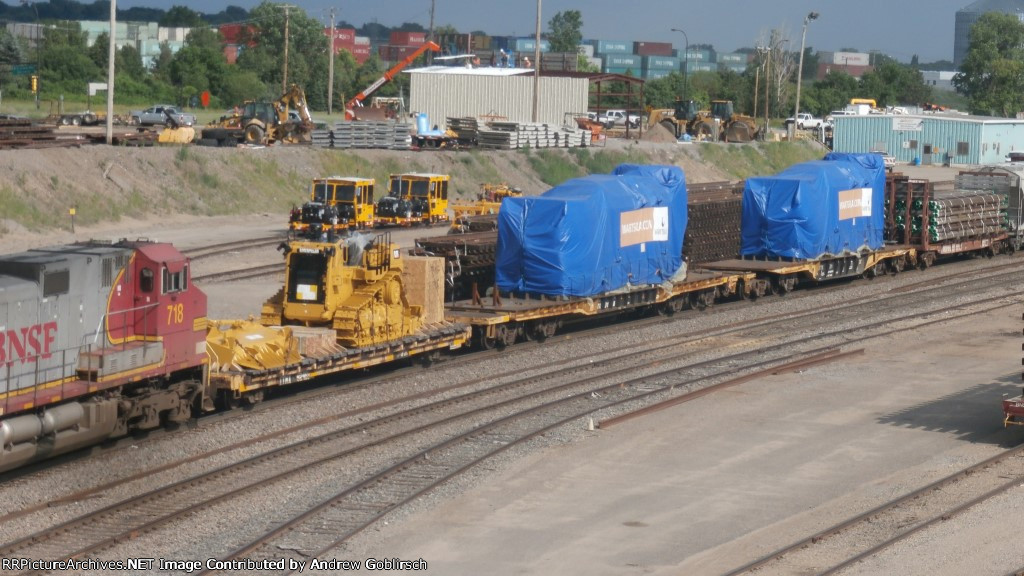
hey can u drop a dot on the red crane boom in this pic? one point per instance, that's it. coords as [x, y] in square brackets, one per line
[355, 101]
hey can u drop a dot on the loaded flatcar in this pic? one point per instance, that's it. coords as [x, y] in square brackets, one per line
[592, 246]
[816, 221]
[96, 340]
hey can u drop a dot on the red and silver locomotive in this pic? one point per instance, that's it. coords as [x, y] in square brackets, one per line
[96, 340]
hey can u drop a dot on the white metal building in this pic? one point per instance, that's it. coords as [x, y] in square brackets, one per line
[449, 91]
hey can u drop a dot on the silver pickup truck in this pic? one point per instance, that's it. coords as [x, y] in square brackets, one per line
[158, 115]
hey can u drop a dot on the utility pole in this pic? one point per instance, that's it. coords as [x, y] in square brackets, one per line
[430, 37]
[284, 78]
[330, 68]
[111, 53]
[800, 72]
[536, 70]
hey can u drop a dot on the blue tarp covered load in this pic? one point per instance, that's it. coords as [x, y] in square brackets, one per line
[595, 234]
[832, 206]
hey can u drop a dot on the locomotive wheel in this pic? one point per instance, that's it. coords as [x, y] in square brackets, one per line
[506, 335]
[483, 341]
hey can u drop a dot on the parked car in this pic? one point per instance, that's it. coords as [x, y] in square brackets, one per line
[156, 115]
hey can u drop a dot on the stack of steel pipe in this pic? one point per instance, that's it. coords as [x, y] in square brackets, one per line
[713, 223]
[961, 214]
[469, 258]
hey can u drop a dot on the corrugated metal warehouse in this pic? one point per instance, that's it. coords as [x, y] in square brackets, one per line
[934, 139]
[446, 91]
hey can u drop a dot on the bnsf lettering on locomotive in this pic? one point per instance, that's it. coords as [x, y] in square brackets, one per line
[28, 343]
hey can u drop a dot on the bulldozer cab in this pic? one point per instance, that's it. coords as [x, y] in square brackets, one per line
[686, 110]
[262, 111]
[353, 198]
[722, 109]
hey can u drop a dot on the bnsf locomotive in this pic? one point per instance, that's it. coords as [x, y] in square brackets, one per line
[96, 340]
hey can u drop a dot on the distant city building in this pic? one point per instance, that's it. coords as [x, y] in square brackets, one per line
[966, 17]
[940, 80]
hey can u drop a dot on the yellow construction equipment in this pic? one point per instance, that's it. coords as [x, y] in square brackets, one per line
[174, 132]
[243, 345]
[488, 201]
[286, 120]
[414, 198]
[352, 285]
[336, 203]
[718, 123]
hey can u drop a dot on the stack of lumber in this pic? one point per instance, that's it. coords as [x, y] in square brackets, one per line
[713, 223]
[387, 134]
[22, 133]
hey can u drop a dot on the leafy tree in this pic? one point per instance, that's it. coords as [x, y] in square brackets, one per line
[565, 31]
[892, 83]
[992, 73]
[129, 63]
[832, 92]
[65, 66]
[181, 17]
[199, 65]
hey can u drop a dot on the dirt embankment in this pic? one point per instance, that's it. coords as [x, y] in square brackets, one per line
[114, 188]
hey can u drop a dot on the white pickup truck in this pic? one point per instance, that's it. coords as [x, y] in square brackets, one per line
[806, 121]
[619, 117]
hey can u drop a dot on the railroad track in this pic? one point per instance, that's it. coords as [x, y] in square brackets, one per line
[851, 541]
[236, 246]
[160, 514]
[242, 274]
[329, 524]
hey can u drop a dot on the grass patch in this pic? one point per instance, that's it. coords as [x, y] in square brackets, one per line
[746, 160]
[553, 167]
[14, 206]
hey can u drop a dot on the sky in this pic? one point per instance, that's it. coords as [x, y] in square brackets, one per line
[898, 28]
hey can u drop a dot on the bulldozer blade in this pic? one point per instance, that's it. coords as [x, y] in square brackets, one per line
[739, 132]
[184, 135]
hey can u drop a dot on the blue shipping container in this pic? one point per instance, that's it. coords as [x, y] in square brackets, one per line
[595, 234]
[660, 63]
[530, 45]
[612, 47]
[622, 61]
[826, 207]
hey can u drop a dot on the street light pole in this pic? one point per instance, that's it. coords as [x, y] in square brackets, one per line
[686, 60]
[800, 72]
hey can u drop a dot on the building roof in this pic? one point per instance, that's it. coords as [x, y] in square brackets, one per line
[1007, 6]
[954, 116]
[463, 71]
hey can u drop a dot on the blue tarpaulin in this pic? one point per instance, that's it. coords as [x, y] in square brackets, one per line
[595, 234]
[832, 206]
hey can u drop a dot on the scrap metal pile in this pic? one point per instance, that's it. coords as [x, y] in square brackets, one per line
[23, 133]
[943, 214]
[713, 231]
[469, 259]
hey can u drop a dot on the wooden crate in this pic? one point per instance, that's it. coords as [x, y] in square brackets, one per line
[423, 277]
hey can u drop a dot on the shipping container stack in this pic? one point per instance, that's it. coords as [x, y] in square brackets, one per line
[346, 39]
[400, 45]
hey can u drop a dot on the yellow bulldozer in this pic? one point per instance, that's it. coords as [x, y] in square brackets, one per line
[352, 285]
[719, 123]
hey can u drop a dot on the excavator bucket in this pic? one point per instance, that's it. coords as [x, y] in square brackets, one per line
[183, 135]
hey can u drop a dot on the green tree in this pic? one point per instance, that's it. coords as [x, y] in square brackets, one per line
[832, 92]
[65, 66]
[992, 73]
[565, 31]
[199, 65]
[182, 17]
[892, 83]
[129, 62]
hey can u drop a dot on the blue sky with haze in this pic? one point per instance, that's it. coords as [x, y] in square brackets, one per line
[899, 28]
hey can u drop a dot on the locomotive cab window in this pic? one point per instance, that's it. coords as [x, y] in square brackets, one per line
[444, 189]
[175, 281]
[146, 280]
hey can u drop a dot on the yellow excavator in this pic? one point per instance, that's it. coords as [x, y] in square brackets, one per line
[352, 285]
[719, 123]
[285, 120]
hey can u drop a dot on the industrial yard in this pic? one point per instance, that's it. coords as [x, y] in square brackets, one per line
[703, 487]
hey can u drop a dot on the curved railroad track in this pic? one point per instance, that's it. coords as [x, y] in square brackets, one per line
[148, 512]
[851, 541]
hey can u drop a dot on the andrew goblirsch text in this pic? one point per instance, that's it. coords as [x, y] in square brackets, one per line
[164, 566]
